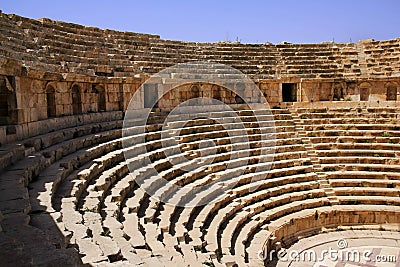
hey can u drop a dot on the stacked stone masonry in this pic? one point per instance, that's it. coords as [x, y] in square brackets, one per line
[68, 197]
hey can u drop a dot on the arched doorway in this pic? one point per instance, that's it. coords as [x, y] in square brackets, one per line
[51, 101]
[8, 102]
[76, 100]
[4, 106]
[364, 91]
[194, 94]
[101, 97]
[150, 95]
[216, 93]
[338, 92]
[391, 93]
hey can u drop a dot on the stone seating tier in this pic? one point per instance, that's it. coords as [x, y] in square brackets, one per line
[42, 197]
[69, 186]
[104, 211]
[53, 43]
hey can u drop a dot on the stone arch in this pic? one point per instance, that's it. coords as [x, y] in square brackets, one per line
[264, 88]
[325, 91]
[240, 88]
[216, 92]
[391, 91]
[195, 91]
[76, 100]
[4, 105]
[150, 94]
[365, 90]
[8, 102]
[51, 101]
[101, 97]
[338, 91]
[351, 87]
[195, 94]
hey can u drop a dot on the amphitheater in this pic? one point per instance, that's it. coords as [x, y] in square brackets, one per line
[69, 196]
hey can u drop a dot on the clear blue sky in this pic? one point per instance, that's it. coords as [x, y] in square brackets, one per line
[251, 21]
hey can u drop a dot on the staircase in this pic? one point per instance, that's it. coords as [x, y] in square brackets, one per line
[322, 177]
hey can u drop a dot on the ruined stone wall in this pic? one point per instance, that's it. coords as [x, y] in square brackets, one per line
[371, 90]
[32, 110]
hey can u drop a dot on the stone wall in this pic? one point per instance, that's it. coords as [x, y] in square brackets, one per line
[286, 231]
[33, 100]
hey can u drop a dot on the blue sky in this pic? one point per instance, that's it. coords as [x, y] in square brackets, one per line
[251, 21]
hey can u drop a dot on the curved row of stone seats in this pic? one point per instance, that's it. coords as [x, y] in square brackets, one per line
[184, 217]
[197, 233]
[87, 36]
[136, 201]
[347, 123]
[286, 230]
[136, 228]
[201, 153]
[111, 219]
[357, 142]
[22, 181]
[366, 179]
[54, 41]
[275, 206]
[355, 112]
[75, 48]
[69, 43]
[229, 225]
[367, 191]
[310, 59]
[322, 118]
[28, 169]
[13, 43]
[17, 46]
[96, 166]
[60, 44]
[42, 134]
[311, 222]
[350, 123]
[347, 55]
[384, 170]
[357, 149]
[230, 174]
[383, 55]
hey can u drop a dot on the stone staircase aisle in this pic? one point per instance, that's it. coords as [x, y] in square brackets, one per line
[322, 176]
